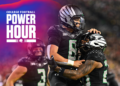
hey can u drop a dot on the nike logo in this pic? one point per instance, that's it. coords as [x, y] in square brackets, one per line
[65, 34]
[44, 63]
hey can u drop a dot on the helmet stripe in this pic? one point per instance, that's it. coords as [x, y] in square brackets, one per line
[62, 19]
[67, 12]
[67, 16]
[64, 13]
[73, 11]
[70, 12]
[61, 15]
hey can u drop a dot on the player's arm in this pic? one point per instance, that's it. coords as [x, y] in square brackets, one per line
[83, 70]
[57, 57]
[15, 75]
[53, 46]
[53, 49]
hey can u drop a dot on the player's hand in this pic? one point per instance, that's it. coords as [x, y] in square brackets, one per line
[78, 63]
[94, 31]
[52, 63]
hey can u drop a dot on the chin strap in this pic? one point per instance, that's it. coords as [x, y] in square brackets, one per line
[39, 58]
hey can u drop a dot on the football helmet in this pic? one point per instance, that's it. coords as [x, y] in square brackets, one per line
[70, 12]
[92, 41]
[31, 46]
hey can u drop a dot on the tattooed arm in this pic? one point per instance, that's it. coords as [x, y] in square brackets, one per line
[83, 70]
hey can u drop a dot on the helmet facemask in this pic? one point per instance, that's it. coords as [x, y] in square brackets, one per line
[38, 47]
[84, 45]
[37, 53]
[78, 23]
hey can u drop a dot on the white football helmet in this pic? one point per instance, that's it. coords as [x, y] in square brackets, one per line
[95, 41]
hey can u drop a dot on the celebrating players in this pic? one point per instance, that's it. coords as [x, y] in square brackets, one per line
[62, 43]
[95, 66]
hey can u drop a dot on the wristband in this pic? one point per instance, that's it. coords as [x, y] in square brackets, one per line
[61, 71]
[70, 62]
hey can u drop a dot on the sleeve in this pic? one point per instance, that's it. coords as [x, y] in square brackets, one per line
[23, 62]
[95, 56]
[54, 36]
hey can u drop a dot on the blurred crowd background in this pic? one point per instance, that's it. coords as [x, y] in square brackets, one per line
[100, 14]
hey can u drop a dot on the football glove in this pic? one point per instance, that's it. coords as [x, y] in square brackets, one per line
[52, 63]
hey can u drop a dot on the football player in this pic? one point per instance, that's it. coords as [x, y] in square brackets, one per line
[32, 69]
[62, 43]
[95, 66]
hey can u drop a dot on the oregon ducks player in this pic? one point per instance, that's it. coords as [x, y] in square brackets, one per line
[32, 69]
[95, 66]
[62, 43]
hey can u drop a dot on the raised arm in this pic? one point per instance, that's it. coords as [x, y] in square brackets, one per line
[83, 70]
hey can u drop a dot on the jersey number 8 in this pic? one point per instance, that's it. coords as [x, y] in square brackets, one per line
[72, 50]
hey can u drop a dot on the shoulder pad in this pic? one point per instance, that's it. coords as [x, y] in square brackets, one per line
[45, 60]
[53, 31]
[23, 61]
